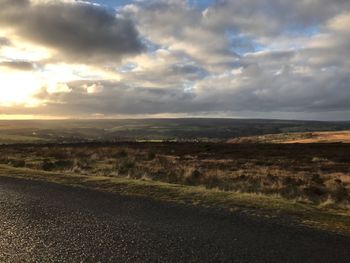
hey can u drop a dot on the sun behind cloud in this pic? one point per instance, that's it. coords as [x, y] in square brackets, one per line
[18, 88]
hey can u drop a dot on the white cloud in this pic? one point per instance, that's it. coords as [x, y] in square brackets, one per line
[93, 88]
[272, 57]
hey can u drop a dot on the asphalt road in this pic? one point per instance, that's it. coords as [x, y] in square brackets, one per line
[44, 222]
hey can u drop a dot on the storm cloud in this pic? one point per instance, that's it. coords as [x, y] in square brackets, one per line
[77, 31]
[17, 65]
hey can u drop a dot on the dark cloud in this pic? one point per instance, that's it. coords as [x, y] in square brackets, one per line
[17, 65]
[77, 31]
[116, 98]
[289, 91]
[190, 71]
[4, 41]
[272, 97]
[283, 93]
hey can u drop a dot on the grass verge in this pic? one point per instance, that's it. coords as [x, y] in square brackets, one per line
[252, 204]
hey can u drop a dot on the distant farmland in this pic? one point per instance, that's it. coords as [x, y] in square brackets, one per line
[200, 129]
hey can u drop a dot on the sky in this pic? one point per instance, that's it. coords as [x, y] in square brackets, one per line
[175, 58]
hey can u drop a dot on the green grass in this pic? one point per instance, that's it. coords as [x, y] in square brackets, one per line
[252, 204]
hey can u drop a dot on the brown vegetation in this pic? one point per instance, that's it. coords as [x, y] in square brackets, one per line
[299, 137]
[315, 173]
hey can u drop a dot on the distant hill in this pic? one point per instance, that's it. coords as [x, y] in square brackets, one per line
[186, 129]
[303, 137]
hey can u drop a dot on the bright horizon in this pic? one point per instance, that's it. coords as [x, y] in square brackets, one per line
[108, 59]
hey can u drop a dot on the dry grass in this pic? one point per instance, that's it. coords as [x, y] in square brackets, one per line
[322, 137]
[303, 137]
[316, 175]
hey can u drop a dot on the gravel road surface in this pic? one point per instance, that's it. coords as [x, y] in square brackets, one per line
[45, 222]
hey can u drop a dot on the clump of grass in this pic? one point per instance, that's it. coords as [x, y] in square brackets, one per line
[17, 162]
[47, 165]
[192, 176]
[151, 155]
[125, 167]
[122, 154]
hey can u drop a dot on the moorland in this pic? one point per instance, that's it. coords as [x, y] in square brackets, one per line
[217, 163]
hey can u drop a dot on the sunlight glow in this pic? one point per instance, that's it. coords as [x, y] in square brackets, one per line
[18, 88]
